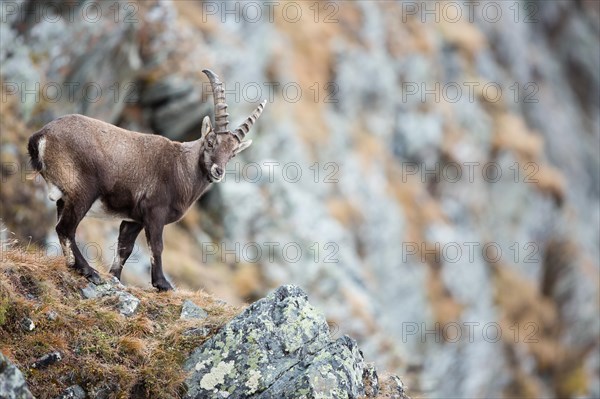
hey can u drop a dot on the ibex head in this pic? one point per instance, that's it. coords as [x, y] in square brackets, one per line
[221, 144]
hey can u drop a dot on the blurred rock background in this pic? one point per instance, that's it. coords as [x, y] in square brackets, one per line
[427, 171]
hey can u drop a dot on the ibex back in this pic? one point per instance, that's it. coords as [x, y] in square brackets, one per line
[93, 168]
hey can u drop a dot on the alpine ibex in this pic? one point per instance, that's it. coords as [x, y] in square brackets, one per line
[97, 169]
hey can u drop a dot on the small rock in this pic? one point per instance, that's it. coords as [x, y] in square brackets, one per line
[128, 303]
[116, 283]
[190, 310]
[72, 392]
[370, 380]
[198, 332]
[396, 388]
[89, 292]
[12, 382]
[92, 290]
[104, 391]
[52, 315]
[27, 324]
[47, 360]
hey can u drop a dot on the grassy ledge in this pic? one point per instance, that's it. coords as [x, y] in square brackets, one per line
[101, 349]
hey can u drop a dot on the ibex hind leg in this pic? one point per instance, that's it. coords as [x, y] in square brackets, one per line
[128, 232]
[70, 214]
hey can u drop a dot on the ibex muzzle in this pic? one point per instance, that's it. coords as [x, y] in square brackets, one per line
[97, 169]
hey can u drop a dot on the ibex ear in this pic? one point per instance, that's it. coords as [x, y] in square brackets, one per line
[206, 126]
[243, 145]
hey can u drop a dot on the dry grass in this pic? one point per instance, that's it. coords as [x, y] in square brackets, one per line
[387, 388]
[140, 356]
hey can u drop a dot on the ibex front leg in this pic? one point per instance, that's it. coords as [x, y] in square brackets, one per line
[128, 232]
[154, 231]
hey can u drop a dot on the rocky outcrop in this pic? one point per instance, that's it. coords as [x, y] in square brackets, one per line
[279, 347]
[12, 383]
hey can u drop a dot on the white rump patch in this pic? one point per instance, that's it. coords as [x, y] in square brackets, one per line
[41, 151]
[54, 193]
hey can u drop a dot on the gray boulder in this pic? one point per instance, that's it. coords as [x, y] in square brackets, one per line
[12, 382]
[190, 310]
[279, 347]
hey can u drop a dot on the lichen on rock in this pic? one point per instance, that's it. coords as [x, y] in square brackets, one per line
[279, 347]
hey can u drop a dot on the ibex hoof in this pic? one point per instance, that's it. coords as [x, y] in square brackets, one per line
[93, 277]
[163, 286]
[116, 273]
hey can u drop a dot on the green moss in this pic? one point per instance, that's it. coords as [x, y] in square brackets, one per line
[4, 307]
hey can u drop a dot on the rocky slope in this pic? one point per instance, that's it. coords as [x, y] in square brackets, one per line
[447, 212]
[74, 339]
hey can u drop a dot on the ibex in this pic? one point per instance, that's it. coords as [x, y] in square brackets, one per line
[97, 169]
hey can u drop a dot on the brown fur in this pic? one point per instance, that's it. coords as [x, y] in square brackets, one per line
[85, 157]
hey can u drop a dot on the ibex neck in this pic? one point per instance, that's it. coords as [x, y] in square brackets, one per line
[196, 177]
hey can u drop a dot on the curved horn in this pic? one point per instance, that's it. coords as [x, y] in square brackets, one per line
[220, 104]
[243, 129]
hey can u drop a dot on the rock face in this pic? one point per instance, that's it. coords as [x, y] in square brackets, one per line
[279, 347]
[449, 167]
[12, 383]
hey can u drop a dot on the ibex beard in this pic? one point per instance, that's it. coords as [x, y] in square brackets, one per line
[96, 169]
